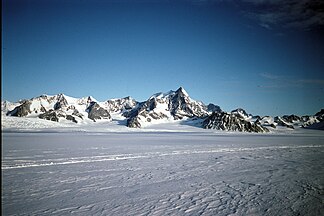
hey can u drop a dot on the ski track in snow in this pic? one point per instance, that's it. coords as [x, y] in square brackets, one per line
[74, 160]
[162, 174]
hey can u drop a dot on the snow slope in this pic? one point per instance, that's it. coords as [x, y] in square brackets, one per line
[197, 172]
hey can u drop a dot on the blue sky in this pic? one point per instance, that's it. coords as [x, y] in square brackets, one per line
[264, 56]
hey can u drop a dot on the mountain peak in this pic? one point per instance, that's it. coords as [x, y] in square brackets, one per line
[183, 91]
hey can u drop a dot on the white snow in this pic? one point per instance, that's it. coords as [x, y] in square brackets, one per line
[163, 169]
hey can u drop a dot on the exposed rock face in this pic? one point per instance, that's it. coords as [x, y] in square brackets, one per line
[49, 115]
[121, 105]
[77, 113]
[61, 102]
[213, 108]
[144, 112]
[231, 122]
[96, 112]
[71, 118]
[133, 123]
[320, 115]
[172, 105]
[316, 126]
[241, 112]
[282, 122]
[21, 110]
[181, 105]
[291, 118]
[54, 115]
[314, 122]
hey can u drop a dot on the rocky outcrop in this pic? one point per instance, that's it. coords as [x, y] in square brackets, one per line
[283, 123]
[21, 110]
[55, 115]
[231, 122]
[133, 123]
[213, 108]
[50, 115]
[291, 118]
[121, 105]
[320, 115]
[77, 113]
[96, 112]
[144, 113]
[71, 118]
[242, 113]
[181, 105]
[61, 102]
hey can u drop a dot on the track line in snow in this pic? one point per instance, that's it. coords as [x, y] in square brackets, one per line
[102, 158]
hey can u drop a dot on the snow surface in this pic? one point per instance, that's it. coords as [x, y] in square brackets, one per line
[165, 169]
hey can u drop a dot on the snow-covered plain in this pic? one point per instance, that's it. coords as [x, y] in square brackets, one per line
[173, 169]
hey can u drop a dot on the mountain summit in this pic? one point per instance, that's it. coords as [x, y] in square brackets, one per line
[173, 105]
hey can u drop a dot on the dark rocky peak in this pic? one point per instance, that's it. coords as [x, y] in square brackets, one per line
[43, 96]
[241, 112]
[291, 118]
[95, 111]
[121, 104]
[231, 122]
[181, 91]
[320, 113]
[21, 110]
[180, 102]
[50, 115]
[281, 122]
[61, 102]
[89, 100]
[213, 108]
[151, 104]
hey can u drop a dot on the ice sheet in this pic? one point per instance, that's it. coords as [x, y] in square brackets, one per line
[162, 173]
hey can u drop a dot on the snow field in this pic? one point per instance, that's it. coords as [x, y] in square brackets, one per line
[162, 173]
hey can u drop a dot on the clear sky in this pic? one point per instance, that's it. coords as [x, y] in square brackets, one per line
[264, 56]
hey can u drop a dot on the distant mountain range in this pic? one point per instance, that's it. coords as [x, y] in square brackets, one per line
[160, 107]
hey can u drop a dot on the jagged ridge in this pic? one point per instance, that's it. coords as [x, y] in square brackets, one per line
[160, 107]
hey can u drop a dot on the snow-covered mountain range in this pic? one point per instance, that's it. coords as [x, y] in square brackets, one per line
[159, 108]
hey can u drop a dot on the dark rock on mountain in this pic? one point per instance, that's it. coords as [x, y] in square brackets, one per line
[213, 108]
[181, 105]
[121, 105]
[71, 118]
[257, 117]
[133, 123]
[54, 115]
[96, 112]
[231, 122]
[21, 110]
[77, 113]
[61, 102]
[145, 111]
[176, 104]
[135, 111]
[316, 126]
[282, 122]
[314, 122]
[42, 109]
[291, 118]
[49, 115]
[320, 115]
[241, 112]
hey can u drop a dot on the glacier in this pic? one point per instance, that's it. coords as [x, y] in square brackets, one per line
[165, 169]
